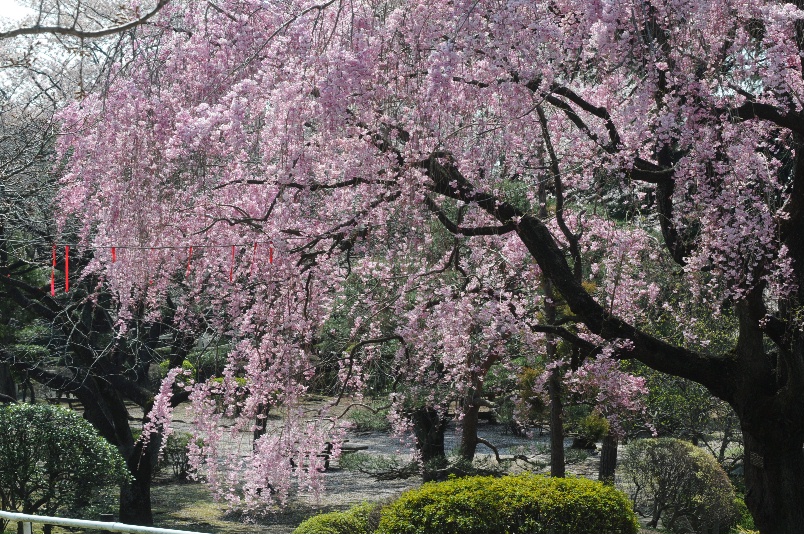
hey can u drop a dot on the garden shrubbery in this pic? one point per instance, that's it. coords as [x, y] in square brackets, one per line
[176, 455]
[513, 504]
[52, 461]
[360, 519]
[678, 483]
[371, 419]
[487, 505]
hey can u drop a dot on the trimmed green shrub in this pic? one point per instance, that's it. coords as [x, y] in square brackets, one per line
[680, 484]
[53, 462]
[356, 520]
[510, 505]
[593, 427]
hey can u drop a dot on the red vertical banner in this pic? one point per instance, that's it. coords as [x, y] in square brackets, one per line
[114, 255]
[66, 268]
[189, 260]
[53, 273]
[231, 265]
[271, 253]
[148, 266]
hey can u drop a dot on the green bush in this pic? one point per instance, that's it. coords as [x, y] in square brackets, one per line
[593, 427]
[359, 519]
[201, 364]
[53, 462]
[368, 420]
[680, 484]
[745, 522]
[217, 391]
[175, 454]
[369, 463]
[510, 505]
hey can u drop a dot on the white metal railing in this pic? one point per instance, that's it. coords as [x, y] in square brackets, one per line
[27, 519]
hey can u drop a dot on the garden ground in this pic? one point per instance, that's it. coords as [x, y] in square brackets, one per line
[190, 506]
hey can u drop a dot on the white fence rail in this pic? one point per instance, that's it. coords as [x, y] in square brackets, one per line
[27, 519]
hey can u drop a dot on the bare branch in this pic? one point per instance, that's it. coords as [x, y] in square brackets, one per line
[755, 110]
[73, 31]
[463, 230]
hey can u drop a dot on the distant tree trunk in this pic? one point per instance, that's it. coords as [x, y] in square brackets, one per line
[557, 460]
[261, 423]
[429, 428]
[608, 459]
[27, 386]
[469, 431]
[8, 387]
[557, 468]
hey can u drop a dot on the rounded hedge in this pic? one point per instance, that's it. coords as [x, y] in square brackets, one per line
[52, 461]
[356, 520]
[510, 505]
[680, 484]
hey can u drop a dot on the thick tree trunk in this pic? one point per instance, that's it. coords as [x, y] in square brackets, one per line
[469, 431]
[557, 468]
[608, 459]
[774, 476]
[135, 495]
[768, 400]
[429, 428]
[105, 409]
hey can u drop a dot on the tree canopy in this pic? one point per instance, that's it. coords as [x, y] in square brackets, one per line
[249, 157]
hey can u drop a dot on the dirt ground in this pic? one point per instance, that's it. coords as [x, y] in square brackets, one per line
[189, 506]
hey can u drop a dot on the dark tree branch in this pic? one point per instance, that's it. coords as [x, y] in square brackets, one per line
[579, 122]
[646, 171]
[711, 371]
[466, 231]
[589, 348]
[597, 111]
[679, 250]
[72, 31]
[755, 110]
[492, 447]
[661, 174]
[558, 186]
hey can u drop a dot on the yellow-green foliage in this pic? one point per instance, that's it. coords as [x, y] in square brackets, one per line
[353, 521]
[593, 427]
[510, 505]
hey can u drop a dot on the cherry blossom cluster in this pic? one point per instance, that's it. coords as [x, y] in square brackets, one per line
[412, 149]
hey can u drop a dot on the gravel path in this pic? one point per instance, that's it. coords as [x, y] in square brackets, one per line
[190, 507]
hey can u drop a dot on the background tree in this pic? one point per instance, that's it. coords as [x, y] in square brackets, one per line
[53, 462]
[70, 341]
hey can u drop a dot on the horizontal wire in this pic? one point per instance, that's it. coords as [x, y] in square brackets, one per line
[136, 247]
